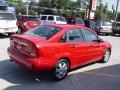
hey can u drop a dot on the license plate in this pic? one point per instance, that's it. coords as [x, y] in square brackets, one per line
[6, 29]
[19, 47]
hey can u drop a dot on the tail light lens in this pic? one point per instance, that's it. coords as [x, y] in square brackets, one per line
[31, 24]
[101, 28]
[111, 28]
[30, 49]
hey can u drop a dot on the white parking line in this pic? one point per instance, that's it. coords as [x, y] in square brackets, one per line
[102, 74]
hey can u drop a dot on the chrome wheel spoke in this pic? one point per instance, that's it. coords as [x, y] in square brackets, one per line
[61, 70]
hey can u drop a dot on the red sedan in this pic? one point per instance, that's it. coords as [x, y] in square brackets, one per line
[58, 48]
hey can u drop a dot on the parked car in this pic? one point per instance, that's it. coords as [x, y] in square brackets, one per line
[75, 21]
[116, 28]
[8, 23]
[52, 19]
[103, 27]
[27, 22]
[58, 48]
[90, 24]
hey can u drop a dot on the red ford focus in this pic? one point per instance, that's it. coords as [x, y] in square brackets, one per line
[58, 48]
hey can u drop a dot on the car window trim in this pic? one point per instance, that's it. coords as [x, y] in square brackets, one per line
[80, 32]
[91, 32]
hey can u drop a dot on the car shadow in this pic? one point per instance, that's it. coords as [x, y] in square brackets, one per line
[116, 35]
[88, 80]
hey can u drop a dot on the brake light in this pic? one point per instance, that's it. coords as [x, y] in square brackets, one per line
[31, 24]
[30, 50]
[101, 28]
[111, 29]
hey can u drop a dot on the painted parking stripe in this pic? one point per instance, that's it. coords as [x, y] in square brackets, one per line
[102, 74]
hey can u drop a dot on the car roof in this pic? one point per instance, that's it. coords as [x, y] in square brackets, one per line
[26, 16]
[52, 15]
[65, 26]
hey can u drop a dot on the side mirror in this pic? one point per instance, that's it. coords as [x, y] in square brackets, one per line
[100, 40]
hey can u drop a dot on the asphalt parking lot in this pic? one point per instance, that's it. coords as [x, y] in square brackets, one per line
[97, 76]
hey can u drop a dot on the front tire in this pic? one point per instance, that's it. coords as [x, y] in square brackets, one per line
[61, 69]
[106, 56]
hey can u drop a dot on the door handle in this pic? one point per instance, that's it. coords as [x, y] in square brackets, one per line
[72, 46]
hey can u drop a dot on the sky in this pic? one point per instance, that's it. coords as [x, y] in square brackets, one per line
[110, 3]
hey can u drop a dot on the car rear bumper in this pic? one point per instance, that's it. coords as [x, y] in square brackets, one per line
[105, 31]
[8, 30]
[33, 64]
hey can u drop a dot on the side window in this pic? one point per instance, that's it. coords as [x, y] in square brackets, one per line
[43, 17]
[89, 36]
[64, 38]
[50, 18]
[75, 36]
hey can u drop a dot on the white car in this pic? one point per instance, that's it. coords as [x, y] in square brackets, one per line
[8, 23]
[104, 27]
[52, 19]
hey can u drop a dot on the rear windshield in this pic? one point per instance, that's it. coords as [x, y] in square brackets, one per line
[60, 19]
[118, 24]
[32, 18]
[74, 21]
[98, 23]
[106, 24]
[79, 21]
[43, 31]
[7, 16]
[92, 23]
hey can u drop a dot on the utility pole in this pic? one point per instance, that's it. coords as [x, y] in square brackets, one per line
[27, 6]
[116, 13]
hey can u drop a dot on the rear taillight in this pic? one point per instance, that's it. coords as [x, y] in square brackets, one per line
[30, 50]
[101, 28]
[17, 23]
[31, 24]
[111, 29]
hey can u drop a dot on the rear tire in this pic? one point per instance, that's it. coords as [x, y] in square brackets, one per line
[61, 69]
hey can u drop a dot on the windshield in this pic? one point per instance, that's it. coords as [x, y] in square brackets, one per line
[7, 16]
[43, 31]
[79, 21]
[106, 24]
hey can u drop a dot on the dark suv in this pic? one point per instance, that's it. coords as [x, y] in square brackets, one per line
[25, 22]
[90, 24]
[76, 21]
[116, 28]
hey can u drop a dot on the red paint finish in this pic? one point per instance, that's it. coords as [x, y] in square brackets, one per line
[36, 53]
